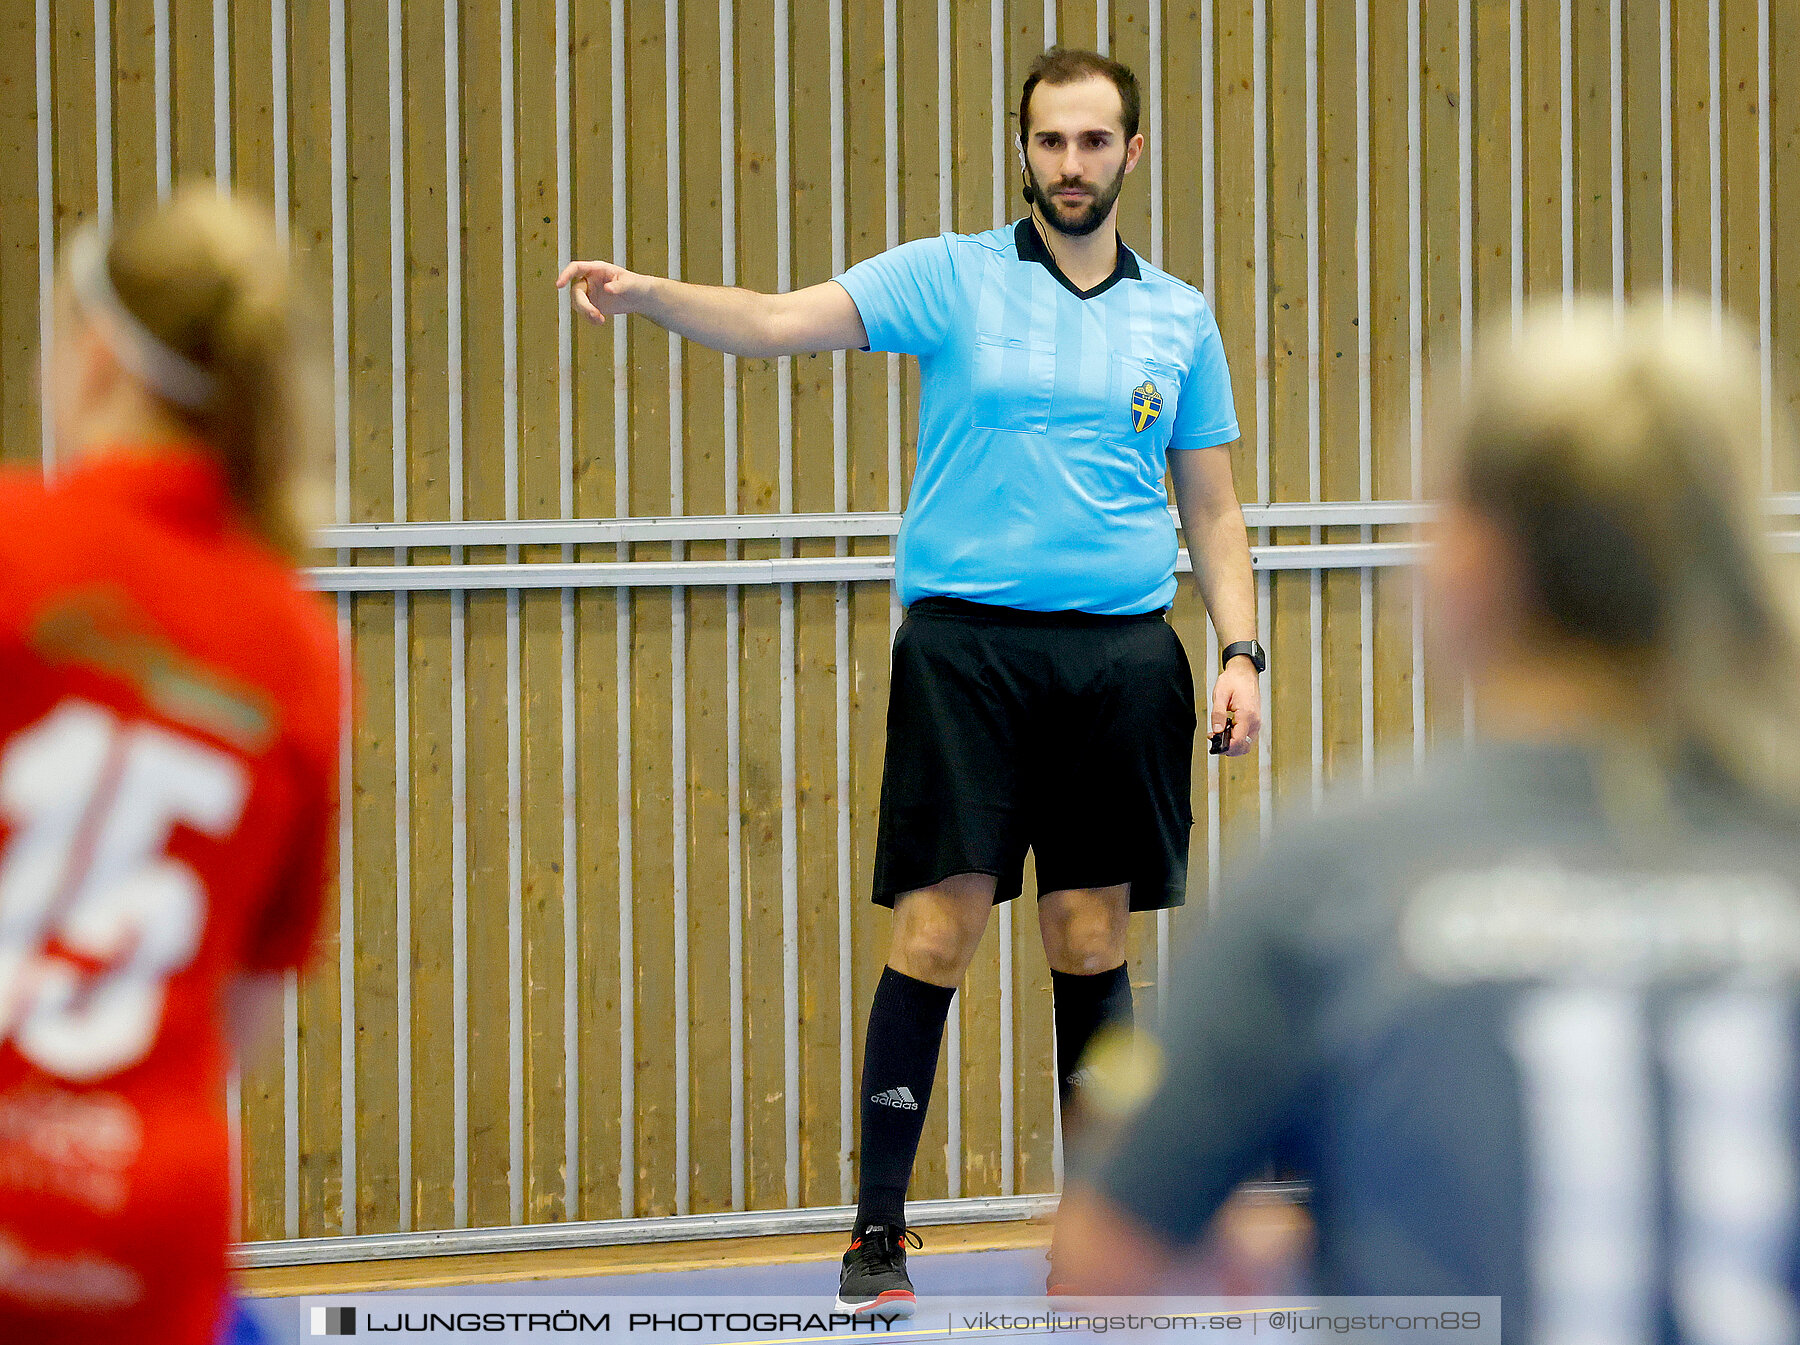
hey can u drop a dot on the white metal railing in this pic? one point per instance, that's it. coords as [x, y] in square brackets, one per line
[784, 527]
[789, 569]
[752, 573]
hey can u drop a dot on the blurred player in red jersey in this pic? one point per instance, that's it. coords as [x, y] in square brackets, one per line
[169, 714]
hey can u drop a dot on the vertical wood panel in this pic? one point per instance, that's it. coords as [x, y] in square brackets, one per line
[601, 997]
[759, 661]
[1129, 29]
[72, 55]
[372, 497]
[1340, 383]
[1190, 235]
[1289, 638]
[252, 108]
[707, 491]
[191, 80]
[653, 825]
[759, 675]
[263, 1155]
[596, 616]
[815, 687]
[488, 879]
[134, 107]
[542, 891]
[709, 916]
[1693, 163]
[1076, 22]
[431, 1201]
[1440, 161]
[540, 494]
[377, 1029]
[485, 485]
[1236, 303]
[1542, 48]
[867, 152]
[322, 1197]
[1784, 149]
[1643, 152]
[1593, 146]
[1392, 266]
[919, 218]
[816, 719]
[19, 434]
[653, 837]
[1740, 112]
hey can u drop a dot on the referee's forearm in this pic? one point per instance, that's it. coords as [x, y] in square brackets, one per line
[736, 321]
[1219, 545]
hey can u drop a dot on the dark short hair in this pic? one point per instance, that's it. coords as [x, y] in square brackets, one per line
[1061, 65]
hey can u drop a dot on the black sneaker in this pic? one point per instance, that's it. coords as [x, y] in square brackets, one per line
[873, 1281]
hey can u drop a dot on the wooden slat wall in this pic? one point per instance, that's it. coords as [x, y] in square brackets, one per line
[1323, 210]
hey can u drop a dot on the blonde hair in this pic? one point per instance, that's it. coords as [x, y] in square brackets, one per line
[205, 274]
[1624, 458]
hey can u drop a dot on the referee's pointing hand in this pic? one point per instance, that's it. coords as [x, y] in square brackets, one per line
[601, 290]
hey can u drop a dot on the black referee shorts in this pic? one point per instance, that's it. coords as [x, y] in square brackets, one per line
[1067, 734]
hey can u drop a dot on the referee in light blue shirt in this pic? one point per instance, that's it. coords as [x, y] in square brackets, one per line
[1039, 700]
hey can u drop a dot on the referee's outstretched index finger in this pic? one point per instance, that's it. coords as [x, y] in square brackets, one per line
[576, 277]
[575, 271]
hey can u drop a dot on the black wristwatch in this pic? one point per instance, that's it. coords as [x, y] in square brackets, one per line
[1259, 658]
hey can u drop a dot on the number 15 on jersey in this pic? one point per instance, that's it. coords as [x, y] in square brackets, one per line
[94, 914]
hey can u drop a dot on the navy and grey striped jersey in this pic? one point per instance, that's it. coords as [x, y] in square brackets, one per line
[1525, 1040]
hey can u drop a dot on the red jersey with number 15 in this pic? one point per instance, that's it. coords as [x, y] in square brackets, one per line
[169, 711]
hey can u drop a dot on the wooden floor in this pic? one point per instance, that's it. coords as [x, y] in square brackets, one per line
[436, 1272]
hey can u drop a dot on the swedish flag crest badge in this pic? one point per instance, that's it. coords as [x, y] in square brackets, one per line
[1146, 406]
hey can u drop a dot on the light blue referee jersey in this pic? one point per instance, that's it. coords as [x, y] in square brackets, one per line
[1046, 419]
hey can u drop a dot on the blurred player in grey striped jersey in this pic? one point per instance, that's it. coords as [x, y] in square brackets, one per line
[1528, 1022]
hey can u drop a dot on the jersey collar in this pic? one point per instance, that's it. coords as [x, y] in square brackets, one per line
[1031, 249]
[182, 485]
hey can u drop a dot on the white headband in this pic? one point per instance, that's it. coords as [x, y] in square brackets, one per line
[163, 368]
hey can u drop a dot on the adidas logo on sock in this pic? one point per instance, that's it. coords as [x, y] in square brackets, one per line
[897, 1097]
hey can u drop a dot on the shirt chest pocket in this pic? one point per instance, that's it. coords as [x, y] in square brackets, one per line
[1140, 401]
[1012, 382]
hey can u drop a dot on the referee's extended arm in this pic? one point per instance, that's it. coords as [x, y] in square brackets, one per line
[736, 321]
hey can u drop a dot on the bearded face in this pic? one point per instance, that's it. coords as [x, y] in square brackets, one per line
[1076, 153]
[1074, 205]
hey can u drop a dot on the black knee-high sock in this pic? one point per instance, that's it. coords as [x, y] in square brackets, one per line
[906, 1029]
[1084, 1005]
